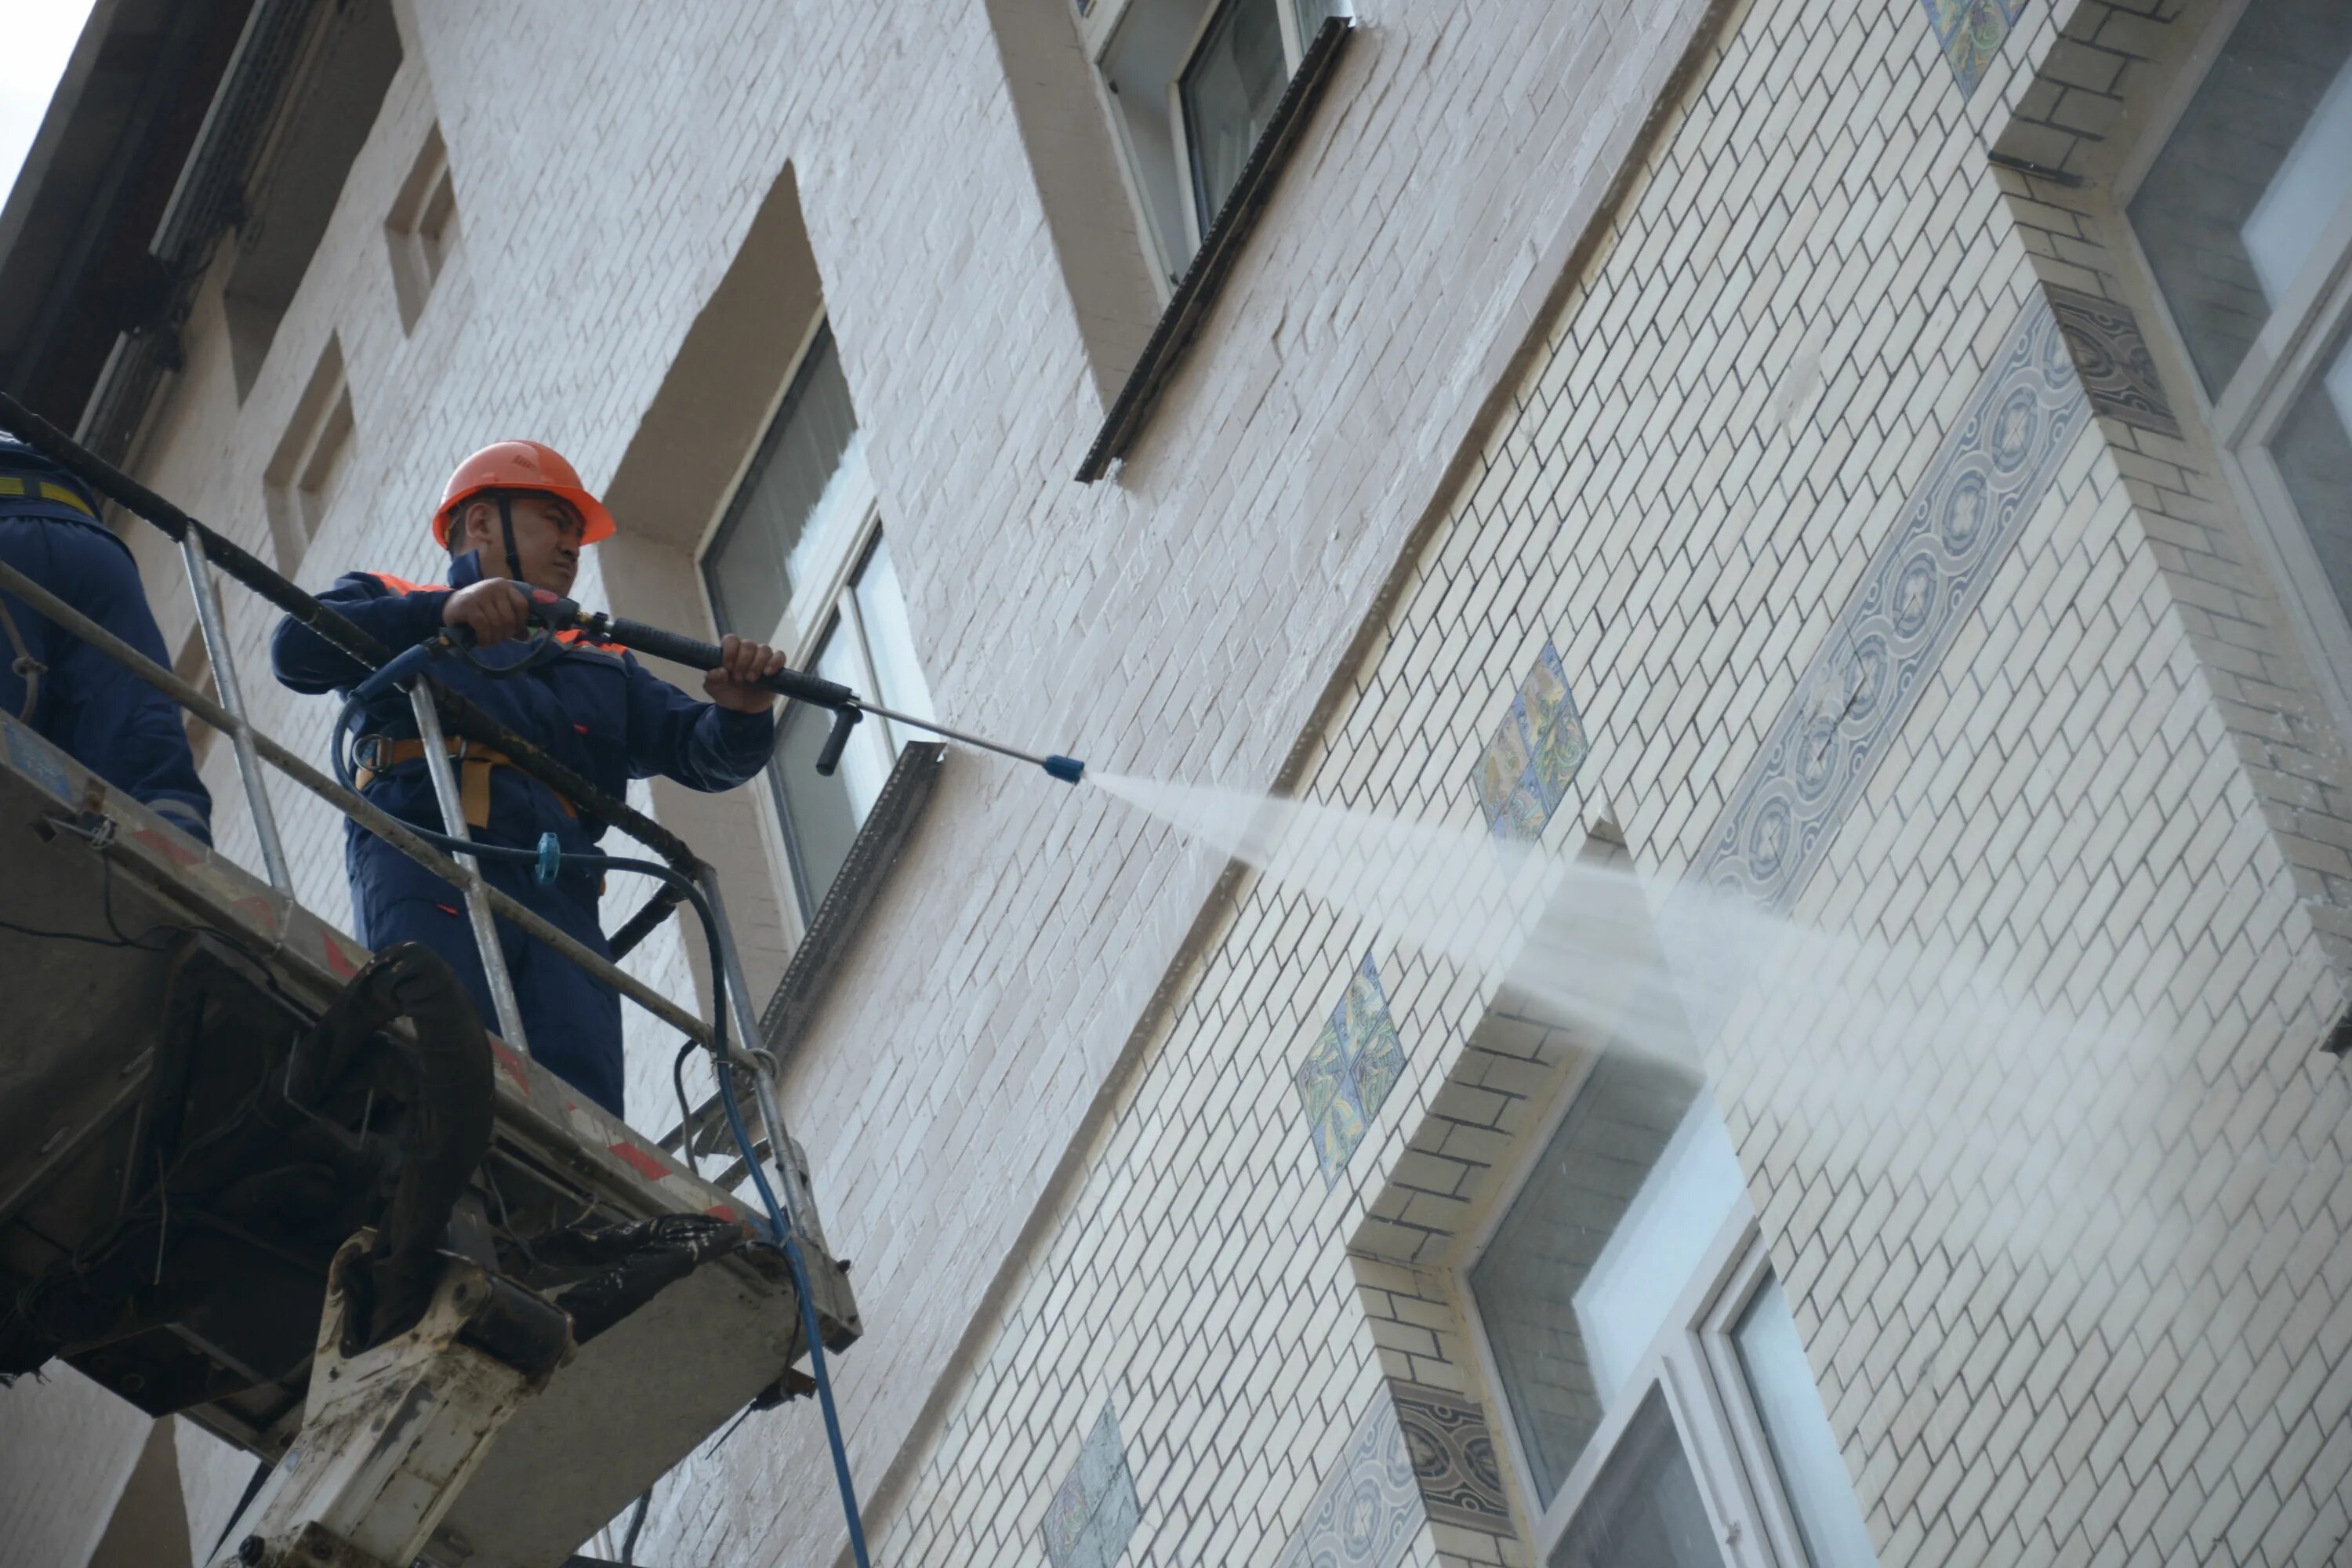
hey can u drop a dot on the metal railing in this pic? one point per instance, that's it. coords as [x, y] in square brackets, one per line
[437, 709]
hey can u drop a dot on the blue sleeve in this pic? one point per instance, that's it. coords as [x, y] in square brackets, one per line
[701, 744]
[124, 729]
[310, 663]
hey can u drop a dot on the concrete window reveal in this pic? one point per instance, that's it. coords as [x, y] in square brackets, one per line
[422, 228]
[307, 469]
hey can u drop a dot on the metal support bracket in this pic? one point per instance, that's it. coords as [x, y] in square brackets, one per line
[390, 1434]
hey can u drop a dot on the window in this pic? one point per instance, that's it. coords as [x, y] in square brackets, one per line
[2245, 219]
[799, 560]
[1193, 85]
[305, 471]
[345, 62]
[1659, 1408]
[422, 227]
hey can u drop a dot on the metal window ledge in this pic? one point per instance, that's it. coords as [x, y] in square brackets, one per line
[1198, 288]
[831, 931]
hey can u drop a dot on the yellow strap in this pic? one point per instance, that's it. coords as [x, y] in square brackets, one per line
[474, 765]
[11, 485]
[473, 790]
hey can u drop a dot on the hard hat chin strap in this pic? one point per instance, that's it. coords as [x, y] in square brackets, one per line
[506, 525]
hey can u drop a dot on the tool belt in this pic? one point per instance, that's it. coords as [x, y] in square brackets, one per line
[376, 754]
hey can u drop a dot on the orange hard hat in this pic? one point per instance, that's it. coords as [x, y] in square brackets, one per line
[521, 466]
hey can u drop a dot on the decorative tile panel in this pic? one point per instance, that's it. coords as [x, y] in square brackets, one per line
[1453, 1461]
[1349, 1071]
[1369, 1508]
[1919, 587]
[2112, 357]
[1972, 33]
[1524, 773]
[1091, 1517]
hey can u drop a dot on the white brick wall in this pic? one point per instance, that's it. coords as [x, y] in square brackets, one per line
[1433, 424]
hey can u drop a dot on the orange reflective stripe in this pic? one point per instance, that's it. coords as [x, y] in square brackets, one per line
[403, 585]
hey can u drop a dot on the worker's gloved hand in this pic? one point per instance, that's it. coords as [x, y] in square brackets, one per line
[741, 666]
[493, 609]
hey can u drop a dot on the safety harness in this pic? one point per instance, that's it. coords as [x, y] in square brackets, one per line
[26, 667]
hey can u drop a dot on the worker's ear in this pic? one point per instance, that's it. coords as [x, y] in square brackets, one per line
[477, 524]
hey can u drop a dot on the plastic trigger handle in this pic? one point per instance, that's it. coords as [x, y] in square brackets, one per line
[550, 861]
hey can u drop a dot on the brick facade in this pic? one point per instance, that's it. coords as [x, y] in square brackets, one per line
[1616, 348]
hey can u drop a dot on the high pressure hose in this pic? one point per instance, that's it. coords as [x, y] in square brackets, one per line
[444, 1137]
[546, 862]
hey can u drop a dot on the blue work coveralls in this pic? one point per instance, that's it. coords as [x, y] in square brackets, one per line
[109, 720]
[599, 712]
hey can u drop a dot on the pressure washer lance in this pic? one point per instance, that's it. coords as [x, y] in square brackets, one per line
[847, 708]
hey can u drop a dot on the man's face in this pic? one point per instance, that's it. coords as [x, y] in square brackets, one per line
[547, 539]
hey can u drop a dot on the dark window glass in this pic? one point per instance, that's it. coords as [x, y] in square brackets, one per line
[1229, 87]
[2314, 453]
[1564, 1353]
[762, 548]
[2261, 160]
[1644, 1511]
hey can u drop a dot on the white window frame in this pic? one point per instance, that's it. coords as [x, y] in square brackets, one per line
[809, 614]
[1098, 29]
[1693, 1361]
[2246, 415]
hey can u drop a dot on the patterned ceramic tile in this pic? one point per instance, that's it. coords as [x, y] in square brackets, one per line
[1355, 1061]
[1334, 1108]
[1972, 33]
[2111, 355]
[1367, 1510]
[1504, 763]
[1378, 1054]
[1089, 1521]
[1918, 588]
[1454, 1460]
[1524, 773]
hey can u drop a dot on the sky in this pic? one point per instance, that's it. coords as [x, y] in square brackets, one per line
[36, 38]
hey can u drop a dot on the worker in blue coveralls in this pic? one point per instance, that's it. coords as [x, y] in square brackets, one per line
[516, 512]
[106, 718]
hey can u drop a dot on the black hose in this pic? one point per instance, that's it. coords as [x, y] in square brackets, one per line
[444, 1134]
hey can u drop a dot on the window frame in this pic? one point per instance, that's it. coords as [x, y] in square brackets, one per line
[2283, 360]
[1099, 29]
[809, 617]
[1692, 1361]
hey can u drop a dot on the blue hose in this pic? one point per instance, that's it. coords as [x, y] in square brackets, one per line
[809, 1325]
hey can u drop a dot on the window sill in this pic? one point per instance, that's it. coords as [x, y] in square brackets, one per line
[841, 912]
[1179, 323]
[831, 931]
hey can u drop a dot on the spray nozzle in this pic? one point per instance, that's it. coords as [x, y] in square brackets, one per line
[1069, 770]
